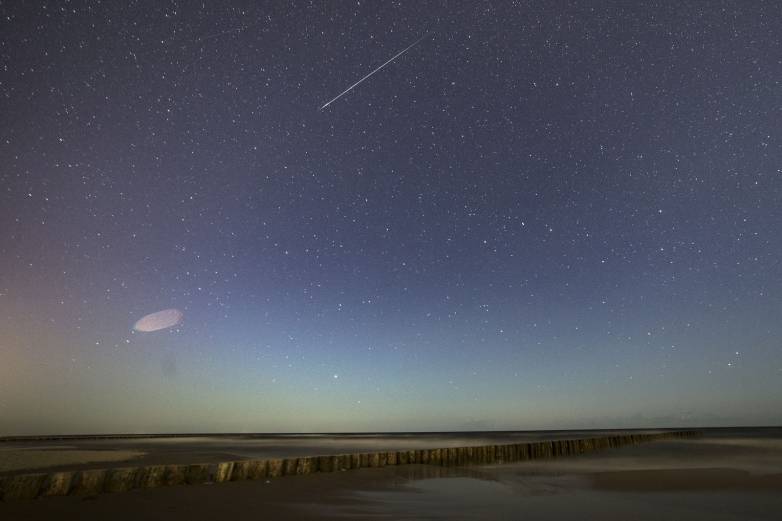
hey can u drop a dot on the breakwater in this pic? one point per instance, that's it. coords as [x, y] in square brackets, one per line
[98, 481]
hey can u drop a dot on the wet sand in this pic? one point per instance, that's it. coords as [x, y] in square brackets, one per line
[725, 476]
[730, 478]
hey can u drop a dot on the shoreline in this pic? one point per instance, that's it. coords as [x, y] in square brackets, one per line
[97, 481]
[710, 478]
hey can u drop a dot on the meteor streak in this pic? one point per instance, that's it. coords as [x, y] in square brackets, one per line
[394, 57]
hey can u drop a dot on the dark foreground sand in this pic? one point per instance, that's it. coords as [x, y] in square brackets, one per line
[730, 476]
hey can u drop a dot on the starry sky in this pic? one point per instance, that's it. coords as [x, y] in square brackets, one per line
[544, 214]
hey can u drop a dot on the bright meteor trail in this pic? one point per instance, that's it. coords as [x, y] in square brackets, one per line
[394, 57]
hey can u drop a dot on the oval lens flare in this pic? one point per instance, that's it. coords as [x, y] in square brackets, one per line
[159, 320]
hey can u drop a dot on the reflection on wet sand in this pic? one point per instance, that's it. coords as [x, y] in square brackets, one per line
[714, 478]
[724, 476]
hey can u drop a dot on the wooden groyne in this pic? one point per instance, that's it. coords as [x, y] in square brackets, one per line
[99, 481]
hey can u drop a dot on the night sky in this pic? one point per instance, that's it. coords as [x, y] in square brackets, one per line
[541, 215]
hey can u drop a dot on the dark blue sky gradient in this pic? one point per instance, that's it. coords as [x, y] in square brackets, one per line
[545, 214]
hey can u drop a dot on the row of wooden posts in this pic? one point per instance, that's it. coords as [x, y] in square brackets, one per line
[98, 481]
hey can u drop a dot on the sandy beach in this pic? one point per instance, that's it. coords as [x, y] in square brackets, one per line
[724, 476]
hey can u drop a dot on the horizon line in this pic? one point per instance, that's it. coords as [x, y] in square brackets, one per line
[42, 437]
